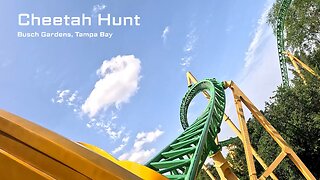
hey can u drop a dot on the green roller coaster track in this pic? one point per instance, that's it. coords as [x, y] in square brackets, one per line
[280, 41]
[184, 157]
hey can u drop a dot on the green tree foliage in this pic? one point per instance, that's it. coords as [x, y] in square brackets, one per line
[302, 24]
[204, 176]
[237, 159]
[294, 111]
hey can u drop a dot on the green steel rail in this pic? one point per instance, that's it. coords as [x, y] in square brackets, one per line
[184, 157]
[228, 141]
[280, 41]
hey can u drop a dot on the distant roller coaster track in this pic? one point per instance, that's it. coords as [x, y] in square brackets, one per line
[280, 40]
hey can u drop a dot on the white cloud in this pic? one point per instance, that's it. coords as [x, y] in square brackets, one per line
[191, 40]
[61, 95]
[98, 8]
[138, 156]
[118, 149]
[165, 33]
[258, 83]
[260, 76]
[66, 97]
[113, 115]
[107, 127]
[186, 61]
[143, 138]
[119, 78]
[118, 81]
[188, 48]
[72, 97]
[263, 77]
[139, 153]
[261, 68]
[258, 35]
[125, 141]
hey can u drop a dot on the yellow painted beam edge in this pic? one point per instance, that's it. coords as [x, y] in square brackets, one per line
[137, 169]
[69, 153]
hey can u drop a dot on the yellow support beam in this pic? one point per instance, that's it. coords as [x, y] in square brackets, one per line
[207, 170]
[254, 153]
[240, 98]
[273, 165]
[245, 134]
[222, 166]
[190, 80]
[272, 131]
[295, 61]
[18, 169]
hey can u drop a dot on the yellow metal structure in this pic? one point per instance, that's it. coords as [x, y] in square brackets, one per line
[207, 170]
[286, 150]
[254, 153]
[239, 98]
[29, 151]
[297, 62]
[137, 169]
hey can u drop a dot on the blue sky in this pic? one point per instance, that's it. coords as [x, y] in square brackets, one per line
[123, 94]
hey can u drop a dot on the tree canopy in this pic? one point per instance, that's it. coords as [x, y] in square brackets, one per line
[302, 24]
[294, 111]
